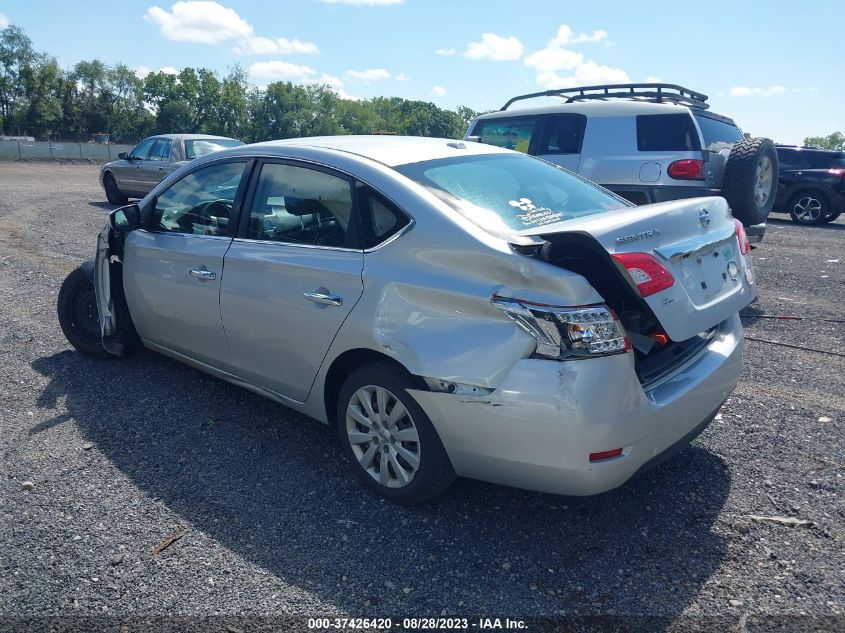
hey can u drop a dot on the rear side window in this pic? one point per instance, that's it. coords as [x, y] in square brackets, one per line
[562, 134]
[508, 133]
[380, 218]
[825, 160]
[666, 132]
[717, 131]
[791, 159]
[298, 205]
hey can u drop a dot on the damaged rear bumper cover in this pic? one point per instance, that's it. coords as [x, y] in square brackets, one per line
[539, 427]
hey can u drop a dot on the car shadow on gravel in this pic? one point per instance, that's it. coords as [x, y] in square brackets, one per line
[271, 486]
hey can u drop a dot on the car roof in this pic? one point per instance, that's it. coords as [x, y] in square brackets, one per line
[595, 108]
[193, 137]
[388, 150]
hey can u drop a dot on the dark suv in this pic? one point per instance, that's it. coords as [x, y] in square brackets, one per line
[811, 187]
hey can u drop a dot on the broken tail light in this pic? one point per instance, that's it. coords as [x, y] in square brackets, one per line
[567, 332]
[649, 275]
[744, 244]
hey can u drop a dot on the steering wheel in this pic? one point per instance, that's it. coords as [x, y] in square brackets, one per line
[211, 211]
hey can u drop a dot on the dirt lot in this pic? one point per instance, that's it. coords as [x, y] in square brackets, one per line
[126, 453]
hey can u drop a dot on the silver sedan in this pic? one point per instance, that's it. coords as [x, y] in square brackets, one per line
[450, 308]
[135, 173]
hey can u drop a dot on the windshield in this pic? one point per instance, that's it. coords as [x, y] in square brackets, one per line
[203, 146]
[503, 193]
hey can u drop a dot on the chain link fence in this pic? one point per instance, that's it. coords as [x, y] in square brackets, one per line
[53, 150]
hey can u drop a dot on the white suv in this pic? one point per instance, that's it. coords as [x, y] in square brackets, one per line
[645, 142]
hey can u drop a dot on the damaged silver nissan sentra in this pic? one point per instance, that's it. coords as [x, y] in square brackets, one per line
[453, 309]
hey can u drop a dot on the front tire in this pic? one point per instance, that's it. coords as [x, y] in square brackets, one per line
[809, 208]
[77, 311]
[390, 441]
[113, 193]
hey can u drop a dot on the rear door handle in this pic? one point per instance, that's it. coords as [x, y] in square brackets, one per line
[320, 297]
[202, 273]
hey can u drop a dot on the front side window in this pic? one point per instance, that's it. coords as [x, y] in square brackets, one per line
[562, 134]
[201, 202]
[507, 193]
[508, 133]
[298, 205]
[380, 218]
[666, 133]
[142, 149]
[161, 150]
[200, 147]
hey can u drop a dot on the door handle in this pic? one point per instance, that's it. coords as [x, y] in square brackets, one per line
[201, 273]
[320, 297]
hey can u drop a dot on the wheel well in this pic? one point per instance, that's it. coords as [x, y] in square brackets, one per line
[805, 190]
[343, 366]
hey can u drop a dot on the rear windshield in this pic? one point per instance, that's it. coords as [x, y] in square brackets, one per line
[203, 146]
[507, 193]
[717, 132]
[666, 133]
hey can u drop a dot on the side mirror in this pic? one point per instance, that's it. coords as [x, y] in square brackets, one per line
[123, 155]
[125, 219]
[473, 139]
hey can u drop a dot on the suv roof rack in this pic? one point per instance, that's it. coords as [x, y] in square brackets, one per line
[652, 92]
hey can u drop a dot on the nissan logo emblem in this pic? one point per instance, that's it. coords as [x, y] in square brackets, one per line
[704, 217]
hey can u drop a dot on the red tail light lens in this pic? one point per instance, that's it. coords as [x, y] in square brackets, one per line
[648, 273]
[744, 244]
[689, 169]
[602, 455]
[837, 172]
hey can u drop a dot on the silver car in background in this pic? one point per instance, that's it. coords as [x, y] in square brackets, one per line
[450, 308]
[135, 173]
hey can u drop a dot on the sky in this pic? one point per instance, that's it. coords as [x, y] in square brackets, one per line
[773, 66]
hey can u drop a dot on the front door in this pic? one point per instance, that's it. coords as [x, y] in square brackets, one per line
[172, 270]
[291, 276]
[128, 172]
[155, 167]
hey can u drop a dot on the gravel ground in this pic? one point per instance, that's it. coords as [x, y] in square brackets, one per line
[126, 453]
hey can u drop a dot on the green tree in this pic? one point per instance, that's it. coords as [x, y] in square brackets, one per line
[836, 140]
[16, 56]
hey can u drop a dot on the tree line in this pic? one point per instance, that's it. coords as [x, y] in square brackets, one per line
[40, 99]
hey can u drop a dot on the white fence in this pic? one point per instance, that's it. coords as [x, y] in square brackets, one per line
[53, 150]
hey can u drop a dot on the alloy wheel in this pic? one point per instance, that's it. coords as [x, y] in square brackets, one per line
[808, 209]
[383, 436]
[764, 181]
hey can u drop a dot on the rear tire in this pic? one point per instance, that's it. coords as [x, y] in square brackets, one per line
[396, 452]
[77, 311]
[113, 193]
[751, 179]
[810, 208]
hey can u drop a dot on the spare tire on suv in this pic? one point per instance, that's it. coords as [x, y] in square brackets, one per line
[751, 179]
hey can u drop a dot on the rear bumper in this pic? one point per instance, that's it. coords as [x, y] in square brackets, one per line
[537, 429]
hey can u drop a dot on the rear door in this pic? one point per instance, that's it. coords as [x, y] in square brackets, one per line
[293, 275]
[172, 271]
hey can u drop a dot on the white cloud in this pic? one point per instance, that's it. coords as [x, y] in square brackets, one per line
[438, 91]
[257, 45]
[585, 74]
[335, 84]
[199, 21]
[653, 80]
[446, 52]
[566, 36]
[553, 58]
[280, 70]
[371, 74]
[168, 70]
[207, 22]
[402, 77]
[495, 47]
[745, 91]
[142, 71]
[4, 21]
[364, 3]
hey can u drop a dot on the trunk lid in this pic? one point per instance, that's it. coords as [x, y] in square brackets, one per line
[695, 240]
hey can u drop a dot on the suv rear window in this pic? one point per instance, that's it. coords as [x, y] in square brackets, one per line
[508, 133]
[666, 132]
[716, 131]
